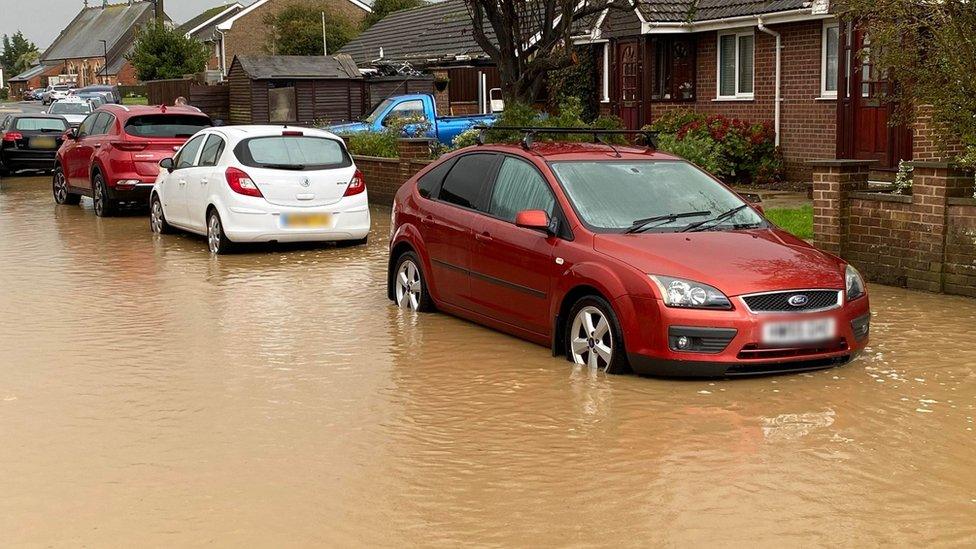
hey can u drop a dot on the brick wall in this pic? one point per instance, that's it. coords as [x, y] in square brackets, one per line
[249, 34]
[384, 176]
[808, 124]
[925, 241]
[929, 141]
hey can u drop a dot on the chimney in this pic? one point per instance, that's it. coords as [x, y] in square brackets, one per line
[160, 15]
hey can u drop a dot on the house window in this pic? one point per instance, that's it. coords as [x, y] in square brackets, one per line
[736, 55]
[830, 63]
[674, 69]
[282, 103]
[605, 75]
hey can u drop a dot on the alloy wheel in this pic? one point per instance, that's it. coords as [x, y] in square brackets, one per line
[408, 286]
[60, 187]
[98, 199]
[592, 339]
[156, 216]
[213, 234]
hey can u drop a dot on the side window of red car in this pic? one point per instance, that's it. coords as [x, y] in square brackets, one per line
[519, 186]
[86, 126]
[465, 184]
[430, 182]
[102, 124]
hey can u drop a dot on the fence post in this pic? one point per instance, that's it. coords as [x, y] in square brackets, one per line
[933, 184]
[832, 181]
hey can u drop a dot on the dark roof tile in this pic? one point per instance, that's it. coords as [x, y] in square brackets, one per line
[299, 66]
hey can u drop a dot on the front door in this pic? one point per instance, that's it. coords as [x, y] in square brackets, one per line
[628, 86]
[873, 137]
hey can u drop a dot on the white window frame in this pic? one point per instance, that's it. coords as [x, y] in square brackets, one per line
[824, 92]
[739, 96]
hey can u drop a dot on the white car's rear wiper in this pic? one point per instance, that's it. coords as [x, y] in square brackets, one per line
[642, 224]
[296, 167]
[716, 219]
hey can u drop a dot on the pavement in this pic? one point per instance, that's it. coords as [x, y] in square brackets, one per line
[18, 107]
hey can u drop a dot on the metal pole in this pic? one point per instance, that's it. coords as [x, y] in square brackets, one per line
[325, 45]
[105, 61]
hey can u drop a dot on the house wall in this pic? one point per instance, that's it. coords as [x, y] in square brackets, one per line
[808, 124]
[250, 35]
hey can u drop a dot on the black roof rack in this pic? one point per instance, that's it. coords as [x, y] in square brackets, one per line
[528, 134]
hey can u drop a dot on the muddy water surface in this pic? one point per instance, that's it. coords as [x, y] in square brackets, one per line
[151, 395]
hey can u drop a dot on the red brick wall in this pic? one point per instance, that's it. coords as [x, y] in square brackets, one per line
[960, 250]
[880, 228]
[384, 176]
[808, 125]
[929, 141]
[249, 34]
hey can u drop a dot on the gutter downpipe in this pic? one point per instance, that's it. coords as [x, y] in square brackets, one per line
[779, 57]
[223, 55]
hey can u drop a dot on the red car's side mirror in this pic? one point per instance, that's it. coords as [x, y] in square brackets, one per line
[533, 219]
[71, 134]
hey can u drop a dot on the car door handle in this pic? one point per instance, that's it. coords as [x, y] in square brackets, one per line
[427, 220]
[97, 145]
[483, 237]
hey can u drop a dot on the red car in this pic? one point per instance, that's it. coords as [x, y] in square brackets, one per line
[622, 258]
[113, 157]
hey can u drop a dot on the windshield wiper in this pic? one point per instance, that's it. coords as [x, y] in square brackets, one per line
[642, 224]
[296, 167]
[716, 219]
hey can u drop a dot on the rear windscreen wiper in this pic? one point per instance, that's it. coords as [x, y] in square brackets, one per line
[296, 167]
[642, 224]
[716, 219]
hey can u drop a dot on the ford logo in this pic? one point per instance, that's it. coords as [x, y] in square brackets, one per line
[798, 300]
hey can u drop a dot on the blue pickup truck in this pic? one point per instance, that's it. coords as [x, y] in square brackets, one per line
[414, 106]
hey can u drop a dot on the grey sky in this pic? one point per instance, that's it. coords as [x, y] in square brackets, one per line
[42, 20]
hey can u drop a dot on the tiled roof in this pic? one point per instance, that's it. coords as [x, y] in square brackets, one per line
[667, 11]
[434, 31]
[82, 37]
[31, 72]
[298, 66]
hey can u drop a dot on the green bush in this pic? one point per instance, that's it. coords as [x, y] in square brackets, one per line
[383, 144]
[729, 148]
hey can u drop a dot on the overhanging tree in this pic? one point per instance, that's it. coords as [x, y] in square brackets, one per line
[161, 53]
[529, 38]
[18, 55]
[929, 50]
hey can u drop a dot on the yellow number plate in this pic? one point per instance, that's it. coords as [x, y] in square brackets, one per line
[306, 221]
[43, 143]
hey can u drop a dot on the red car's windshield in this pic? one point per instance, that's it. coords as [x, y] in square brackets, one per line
[614, 195]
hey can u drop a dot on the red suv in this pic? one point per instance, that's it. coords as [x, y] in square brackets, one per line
[113, 157]
[622, 258]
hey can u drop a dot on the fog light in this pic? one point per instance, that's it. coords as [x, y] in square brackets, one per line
[683, 342]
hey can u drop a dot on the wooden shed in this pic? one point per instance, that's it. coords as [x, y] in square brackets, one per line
[301, 90]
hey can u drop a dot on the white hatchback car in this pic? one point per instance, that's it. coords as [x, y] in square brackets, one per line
[237, 184]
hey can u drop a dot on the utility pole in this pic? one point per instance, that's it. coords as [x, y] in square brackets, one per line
[325, 45]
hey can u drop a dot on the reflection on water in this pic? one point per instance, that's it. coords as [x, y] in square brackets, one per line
[152, 394]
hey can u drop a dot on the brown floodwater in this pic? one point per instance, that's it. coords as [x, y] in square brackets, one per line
[152, 395]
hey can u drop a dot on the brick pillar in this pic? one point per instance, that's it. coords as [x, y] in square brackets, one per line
[442, 99]
[933, 184]
[413, 148]
[832, 181]
[930, 141]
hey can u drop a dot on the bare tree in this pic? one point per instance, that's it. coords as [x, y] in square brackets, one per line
[528, 38]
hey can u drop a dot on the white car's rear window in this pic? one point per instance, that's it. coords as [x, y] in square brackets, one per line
[297, 152]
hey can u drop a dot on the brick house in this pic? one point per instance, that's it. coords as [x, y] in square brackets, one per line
[203, 27]
[721, 58]
[94, 44]
[245, 33]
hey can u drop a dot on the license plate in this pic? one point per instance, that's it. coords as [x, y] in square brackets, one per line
[803, 331]
[43, 143]
[305, 221]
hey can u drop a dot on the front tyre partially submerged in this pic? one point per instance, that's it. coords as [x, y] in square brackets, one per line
[409, 285]
[593, 337]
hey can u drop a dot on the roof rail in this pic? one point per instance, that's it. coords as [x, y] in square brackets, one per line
[528, 134]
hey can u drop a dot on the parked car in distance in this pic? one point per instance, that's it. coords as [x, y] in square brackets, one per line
[110, 93]
[415, 106]
[30, 141]
[241, 184]
[623, 259]
[54, 93]
[73, 109]
[113, 157]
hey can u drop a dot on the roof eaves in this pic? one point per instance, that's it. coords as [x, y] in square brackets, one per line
[234, 6]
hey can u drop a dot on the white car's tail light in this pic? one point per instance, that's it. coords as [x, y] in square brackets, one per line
[357, 185]
[241, 183]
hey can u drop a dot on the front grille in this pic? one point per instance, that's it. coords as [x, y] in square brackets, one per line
[779, 302]
[754, 351]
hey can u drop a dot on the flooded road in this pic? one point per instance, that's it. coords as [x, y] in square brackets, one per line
[151, 395]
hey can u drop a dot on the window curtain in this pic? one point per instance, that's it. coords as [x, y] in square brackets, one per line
[727, 65]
